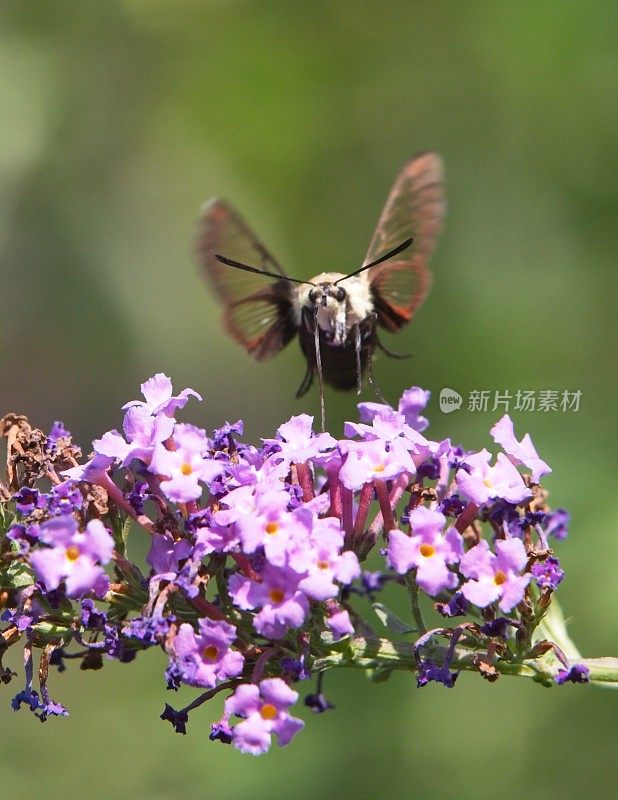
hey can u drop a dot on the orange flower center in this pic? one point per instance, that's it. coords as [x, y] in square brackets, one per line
[268, 711]
[73, 552]
[499, 578]
[271, 527]
[276, 595]
[322, 564]
[427, 550]
[210, 653]
[186, 469]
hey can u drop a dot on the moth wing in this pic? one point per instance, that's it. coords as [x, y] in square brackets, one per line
[399, 288]
[414, 208]
[258, 312]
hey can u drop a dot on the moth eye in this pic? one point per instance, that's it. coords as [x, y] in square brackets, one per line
[313, 295]
[340, 294]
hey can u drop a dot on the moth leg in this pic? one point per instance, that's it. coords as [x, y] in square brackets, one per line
[318, 364]
[307, 381]
[357, 349]
[373, 320]
[373, 385]
[390, 353]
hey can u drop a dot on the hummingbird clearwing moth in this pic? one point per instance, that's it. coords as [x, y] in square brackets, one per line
[334, 315]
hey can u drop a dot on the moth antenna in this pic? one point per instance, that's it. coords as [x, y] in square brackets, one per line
[318, 363]
[239, 265]
[395, 251]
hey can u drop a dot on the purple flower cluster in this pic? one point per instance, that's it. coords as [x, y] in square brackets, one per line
[255, 552]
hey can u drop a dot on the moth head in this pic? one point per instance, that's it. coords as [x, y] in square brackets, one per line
[326, 294]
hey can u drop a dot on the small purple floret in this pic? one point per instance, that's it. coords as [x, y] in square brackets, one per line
[178, 719]
[58, 431]
[556, 524]
[548, 573]
[430, 671]
[578, 673]
[27, 499]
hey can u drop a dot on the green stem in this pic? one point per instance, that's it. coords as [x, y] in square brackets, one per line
[416, 609]
[375, 653]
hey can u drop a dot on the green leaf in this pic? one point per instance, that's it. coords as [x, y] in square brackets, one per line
[378, 674]
[16, 576]
[51, 632]
[553, 627]
[6, 517]
[120, 526]
[390, 620]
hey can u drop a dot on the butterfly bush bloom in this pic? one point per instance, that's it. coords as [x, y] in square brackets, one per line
[297, 442]
[340, 624]
[159, 398]
[522, 452]
[411, 403]
[495, 576]
[165, 554]
[206, 658]
[73, 556]
[480, 482]
[142, 432]
[184, 467]
[252, 580]
[280, 601]
[388, 426]
[428, 549]
[369, 460]
[265, 521]
[321, 560]
[264, 711]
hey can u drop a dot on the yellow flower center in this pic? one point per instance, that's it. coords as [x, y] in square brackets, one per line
[72, 552]
[499, 578]
[271, 527]
[488, 483]
[186, 469]
[268, 711]
[427, 550]
[210, 653]
[276, 595]
[379, 468]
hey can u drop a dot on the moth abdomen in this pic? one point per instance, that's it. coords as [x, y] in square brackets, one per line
[340, 362]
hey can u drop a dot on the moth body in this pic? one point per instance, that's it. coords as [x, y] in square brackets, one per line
[335, 316]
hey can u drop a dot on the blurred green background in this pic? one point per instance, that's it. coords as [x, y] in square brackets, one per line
[119, 119]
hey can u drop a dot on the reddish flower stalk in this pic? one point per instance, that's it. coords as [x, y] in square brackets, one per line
[305, 480]
[385, 504]
[364, 503]
[334, 488]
